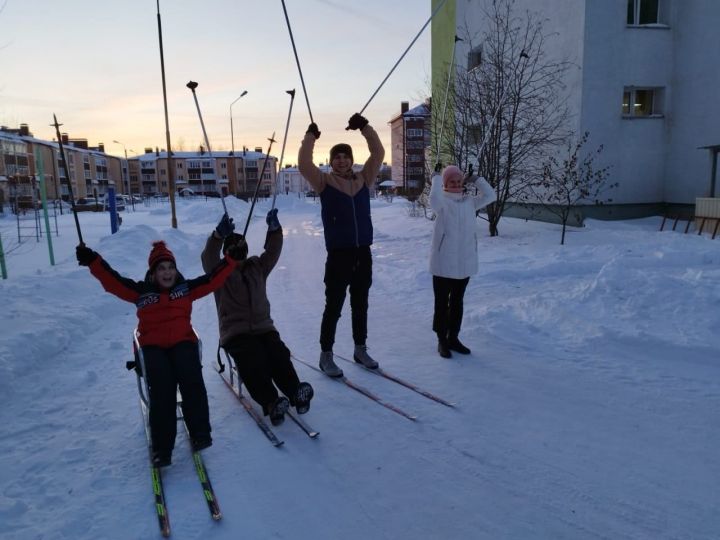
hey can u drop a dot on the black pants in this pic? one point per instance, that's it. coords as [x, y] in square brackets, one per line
[166, 370]
[261, 360]
[346, 268]
[448, 314]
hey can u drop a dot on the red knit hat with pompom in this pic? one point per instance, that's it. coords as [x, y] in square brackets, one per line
[158, 254]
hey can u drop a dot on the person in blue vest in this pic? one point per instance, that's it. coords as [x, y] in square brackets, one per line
[345, 209]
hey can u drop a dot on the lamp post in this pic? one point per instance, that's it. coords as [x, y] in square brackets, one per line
[232, 134]
[127, 175]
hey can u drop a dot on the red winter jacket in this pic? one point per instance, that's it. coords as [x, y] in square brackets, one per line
[163, 315]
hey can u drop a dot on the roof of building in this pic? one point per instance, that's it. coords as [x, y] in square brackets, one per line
[151, 156]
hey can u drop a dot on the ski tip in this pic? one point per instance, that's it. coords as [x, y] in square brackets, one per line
[217, 517]
[278, 444]
[313, 434]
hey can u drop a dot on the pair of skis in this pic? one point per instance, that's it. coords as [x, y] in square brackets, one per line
[381, 373]
[233, 382]
[157, 484]
[155, 472]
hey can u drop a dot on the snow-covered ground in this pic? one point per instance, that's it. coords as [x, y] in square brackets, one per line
[589, 408]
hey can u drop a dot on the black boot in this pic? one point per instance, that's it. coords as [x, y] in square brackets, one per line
[161, 459]
[278, 410]
[443, 349]
[454, 344]
[303, 395]
[201, 442]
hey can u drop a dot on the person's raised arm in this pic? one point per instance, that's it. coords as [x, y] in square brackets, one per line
[306, 166]
[371, 168]
[122, 287]
[273, 242]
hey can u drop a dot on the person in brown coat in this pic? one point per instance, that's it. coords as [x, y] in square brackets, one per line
[247, 331]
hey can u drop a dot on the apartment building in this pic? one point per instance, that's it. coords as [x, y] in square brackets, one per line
[642, 86]
[91, 170]
[409, 139]
[203, 173]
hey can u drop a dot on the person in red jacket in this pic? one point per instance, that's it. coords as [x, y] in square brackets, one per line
[169, 344]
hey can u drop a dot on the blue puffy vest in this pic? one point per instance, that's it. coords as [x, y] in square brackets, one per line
[346, 219]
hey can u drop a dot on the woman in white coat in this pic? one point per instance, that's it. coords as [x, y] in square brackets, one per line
[453, 258]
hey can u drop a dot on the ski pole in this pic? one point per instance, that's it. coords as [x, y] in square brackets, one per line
[297, 60]
[257, 186]
[67, 176]
[282, 152]
[403, 55]
[447, 91]
[192, 85]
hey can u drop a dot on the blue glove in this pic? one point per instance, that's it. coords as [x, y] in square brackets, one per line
[272, 220]
[226, 226]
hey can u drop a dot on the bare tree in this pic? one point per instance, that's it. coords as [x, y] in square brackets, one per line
[564, 184]
[509, 105]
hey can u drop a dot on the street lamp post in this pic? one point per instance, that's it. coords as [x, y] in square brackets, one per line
[127, 175]
[232, 134]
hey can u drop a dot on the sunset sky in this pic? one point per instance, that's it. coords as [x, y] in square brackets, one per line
[97, 66]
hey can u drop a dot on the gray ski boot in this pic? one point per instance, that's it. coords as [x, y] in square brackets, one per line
[361, 356]
[328, 365]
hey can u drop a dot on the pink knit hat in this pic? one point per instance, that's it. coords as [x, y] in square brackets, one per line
[451, 172]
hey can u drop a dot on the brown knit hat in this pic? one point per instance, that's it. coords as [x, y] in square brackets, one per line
[158, 254]
[341, 148]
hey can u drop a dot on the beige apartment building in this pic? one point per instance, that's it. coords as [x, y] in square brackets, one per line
[91, 171]
[203, 173]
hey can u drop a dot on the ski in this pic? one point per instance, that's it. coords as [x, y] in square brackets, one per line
[382, 373]
[156, 477]
[302, 424]
[207, 488]
[252, 412]
[160, 507]
[364, 391]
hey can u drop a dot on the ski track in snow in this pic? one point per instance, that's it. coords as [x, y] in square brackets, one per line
[588, 409]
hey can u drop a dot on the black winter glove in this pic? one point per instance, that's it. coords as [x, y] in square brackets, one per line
[313, 128]
[438, 167]
[225, 227]
[272, 220]
[357, 122]
[85, 255]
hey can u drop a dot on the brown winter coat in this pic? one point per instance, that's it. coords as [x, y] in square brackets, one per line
[242, 303]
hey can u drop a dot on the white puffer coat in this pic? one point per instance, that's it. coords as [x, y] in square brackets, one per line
[454, 240]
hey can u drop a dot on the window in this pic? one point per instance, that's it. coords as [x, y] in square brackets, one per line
[647, 12]
[642, 102]
[474, 58]
[415, 157]
[414, 132]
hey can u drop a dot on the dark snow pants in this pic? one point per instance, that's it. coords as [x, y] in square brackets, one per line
[346, 268]
[166, 370]
[448, 313]
[261, 360]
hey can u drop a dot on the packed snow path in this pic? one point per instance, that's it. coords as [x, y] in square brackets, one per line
[588, 409]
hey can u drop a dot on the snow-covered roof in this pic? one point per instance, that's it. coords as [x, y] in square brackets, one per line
[152, 156]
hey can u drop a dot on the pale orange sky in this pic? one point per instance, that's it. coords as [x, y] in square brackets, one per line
[97, 66]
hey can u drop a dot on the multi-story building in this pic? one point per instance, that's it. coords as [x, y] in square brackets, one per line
[409, 139]
[203, 173]
[291, 181]
[641, 86]
[91, 170]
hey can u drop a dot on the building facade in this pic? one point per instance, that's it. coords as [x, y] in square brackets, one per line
[202, 173]
[409, 139]
[642, 87]
[91, 171]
